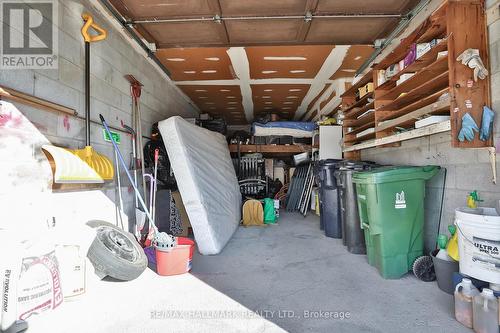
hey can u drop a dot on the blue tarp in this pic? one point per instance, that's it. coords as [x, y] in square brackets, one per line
[300, 125]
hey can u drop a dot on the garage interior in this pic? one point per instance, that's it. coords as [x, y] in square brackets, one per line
[308, 165]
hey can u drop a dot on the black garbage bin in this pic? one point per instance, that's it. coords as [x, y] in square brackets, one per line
[329, 198]
[352, 235]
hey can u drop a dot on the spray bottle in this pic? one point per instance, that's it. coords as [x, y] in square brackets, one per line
[442, 254]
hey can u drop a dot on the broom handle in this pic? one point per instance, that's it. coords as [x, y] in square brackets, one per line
[122, 161]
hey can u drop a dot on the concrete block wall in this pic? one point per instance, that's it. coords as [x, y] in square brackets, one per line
[111, 59]
[467, 169]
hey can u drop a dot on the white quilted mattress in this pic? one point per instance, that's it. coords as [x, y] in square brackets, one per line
[206, 179]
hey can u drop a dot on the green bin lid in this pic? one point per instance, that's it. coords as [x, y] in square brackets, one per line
[394, 174]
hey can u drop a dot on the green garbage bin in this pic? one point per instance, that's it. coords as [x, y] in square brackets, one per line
[391, 212]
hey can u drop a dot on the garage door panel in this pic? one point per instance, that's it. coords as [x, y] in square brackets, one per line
[186, 33]
[259, 7]
[366, 6]
[147, 9]
[349, 31]
[263, 31]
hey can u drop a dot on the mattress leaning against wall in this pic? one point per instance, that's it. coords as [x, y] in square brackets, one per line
[207, 181]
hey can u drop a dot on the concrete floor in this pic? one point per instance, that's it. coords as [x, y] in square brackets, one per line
[285, 270]
[277, 271]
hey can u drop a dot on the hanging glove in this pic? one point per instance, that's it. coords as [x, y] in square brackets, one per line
[468, 128]
[486, 123]
[471, 58]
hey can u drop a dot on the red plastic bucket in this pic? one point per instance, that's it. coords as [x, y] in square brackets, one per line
[178, 260]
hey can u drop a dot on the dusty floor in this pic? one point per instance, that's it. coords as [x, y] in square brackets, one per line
[289, 270]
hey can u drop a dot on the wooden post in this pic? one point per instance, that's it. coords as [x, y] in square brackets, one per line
[466, 27]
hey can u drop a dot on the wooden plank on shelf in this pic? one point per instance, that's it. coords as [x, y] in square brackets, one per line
[438, 83]
[279, 149]
[358, 104]
[366, 119]
[363, 127]
[420, 63]
[360, 138]
[416, 133]
[425, 75]
[413, 116]
[367, 78]
[353, 114]
[436, 25]
[414, 106]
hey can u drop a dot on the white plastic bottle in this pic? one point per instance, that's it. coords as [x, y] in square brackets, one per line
[465, 292]
[485, 312]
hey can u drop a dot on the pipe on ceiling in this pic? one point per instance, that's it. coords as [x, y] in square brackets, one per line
[405, 21]
[134, 35]
[307, 17]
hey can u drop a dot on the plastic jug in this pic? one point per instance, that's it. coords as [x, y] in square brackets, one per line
[485, 312]
[464, 295]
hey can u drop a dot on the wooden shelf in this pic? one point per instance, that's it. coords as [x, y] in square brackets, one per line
[420, 63]
[353, 114]
[409, 119]
[422, 94]
[444, 126]
[270, 149]
[438, 83]
[423, 76]
[361, 138]
[358, 103]
[414, 106]
[363, 127]
[367, 78]
[370, 117]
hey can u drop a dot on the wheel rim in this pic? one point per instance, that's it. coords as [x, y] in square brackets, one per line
[116, 242]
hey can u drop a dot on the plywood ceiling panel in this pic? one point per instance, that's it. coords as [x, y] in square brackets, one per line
[147, 9]
[280, 98]
[191, 33]
[217, 100]
[315, 99]
[187, 64]
[286, 61]
[349, 31]
[355, 57]
[365, 6]
[259, 7]
[250, 32]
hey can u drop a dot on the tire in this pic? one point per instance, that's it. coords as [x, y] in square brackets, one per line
[116, 253]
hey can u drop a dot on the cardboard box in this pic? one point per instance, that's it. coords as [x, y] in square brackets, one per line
[404, 77]
[391, 71]
[365, 89]
[423, 48]
[380, 77]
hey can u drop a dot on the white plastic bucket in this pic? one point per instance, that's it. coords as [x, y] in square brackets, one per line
[479, 243]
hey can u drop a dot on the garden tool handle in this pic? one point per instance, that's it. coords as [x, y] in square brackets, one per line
[89, 23]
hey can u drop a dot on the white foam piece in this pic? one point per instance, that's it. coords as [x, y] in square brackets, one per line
[206, 179]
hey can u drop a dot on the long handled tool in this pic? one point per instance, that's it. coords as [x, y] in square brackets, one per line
[140, 216]
[135, 92]
[161, 239]
[67, 171]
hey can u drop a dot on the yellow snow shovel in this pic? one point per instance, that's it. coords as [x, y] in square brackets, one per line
[97, 168]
